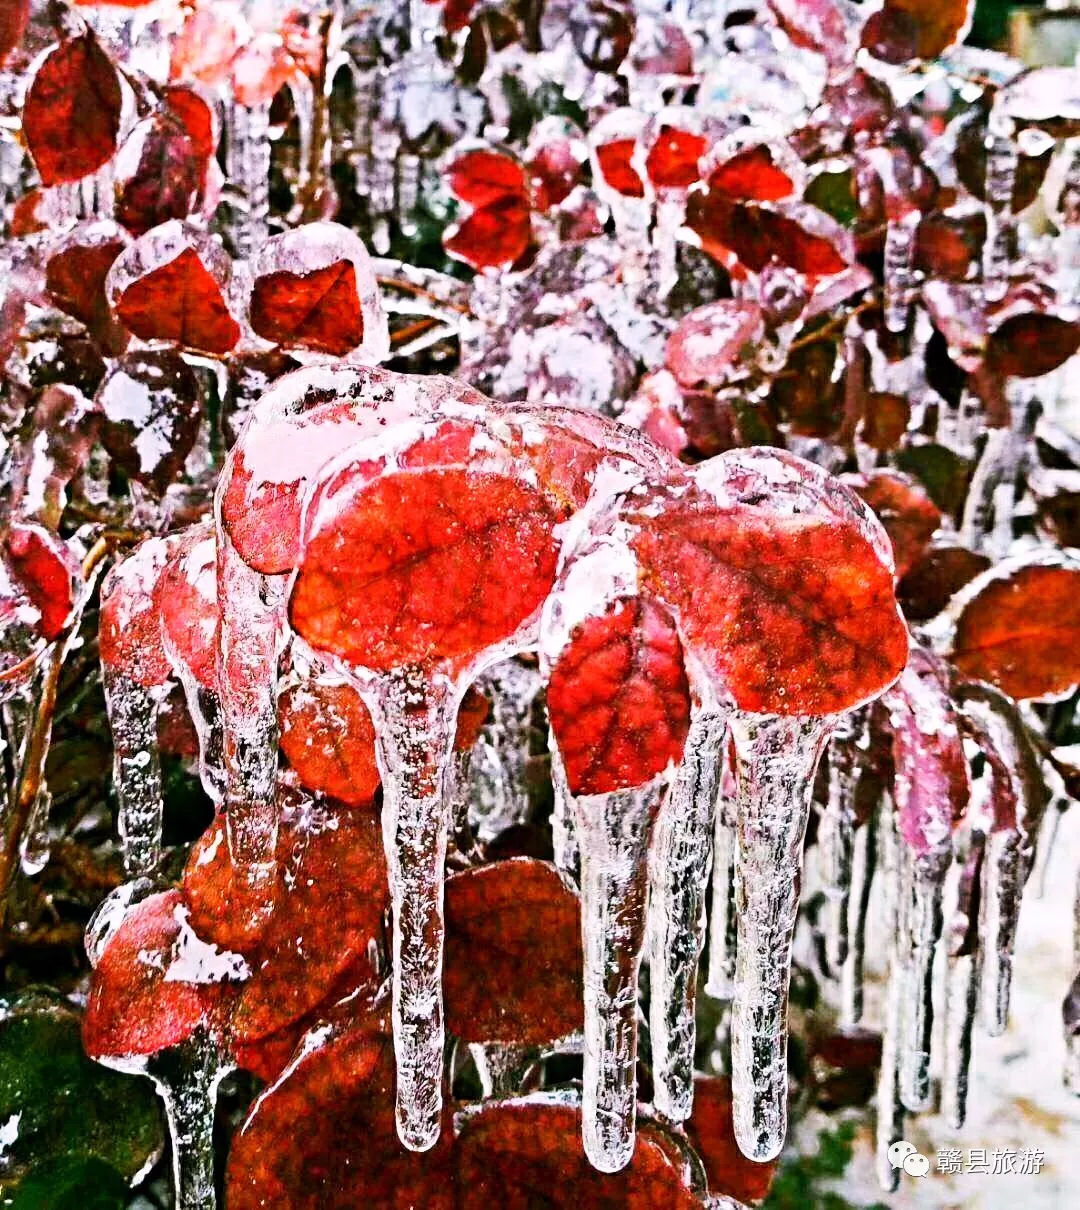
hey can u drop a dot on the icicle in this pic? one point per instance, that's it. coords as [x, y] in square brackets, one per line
[900, 236]
[564, 834]
[1003, 885]
[836, 837]
[776, 758]
[133, 715]
[1002, 159]
[890, 1111]
[720, 981]
[863, 856]
[187, 1078]
[247, 148]
[501, 1067]
[614, 831]
[919, 930]
[250, 606]
[1070, 1009]
[679, 862]
[35, 848]
[961, 985]
[415, 723]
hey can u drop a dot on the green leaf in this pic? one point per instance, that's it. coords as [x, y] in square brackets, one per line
[944, 474]
[73, 1183]
[834, 192]
[61, 1107]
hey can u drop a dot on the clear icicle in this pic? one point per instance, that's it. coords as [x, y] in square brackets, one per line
[679, 862]
[249, 636]
[720, 981]
[863, 856]
[775, 761]
[564, 834]
[415, 722]
[900, 236]
[187, 1078]
[1002, 160]
[500, 1067]
[890, 1112]
[1003, 885]
[35, 847]
[919, 930]
[614, 831]
[248, 149]
[961, 986]
[836, 837]
[133, 716]
[1070, 1008]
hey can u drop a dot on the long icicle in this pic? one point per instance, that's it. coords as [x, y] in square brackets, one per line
[133, 716]
[720, 980]
[775, 762]
[679, 862]
[836, 837]
[961, 985]
[863, 860]
[890, 1111]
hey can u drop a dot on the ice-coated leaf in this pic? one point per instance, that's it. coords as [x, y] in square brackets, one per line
[755, 235]
[329, 740]
[46, 571]
[142, 999]
[518, 1153]
[75, 277]
[614, 160]
[916, 29]
[950, 245]
[416, 567]
[1018, 627]
[937, 576]
[481, 178]
[129, 632]
[1031, 344]
[672, 161]
[830, 27]
[793, 614]
[711, 1131]
[72, 113]
[318, 310]
[179, 301]
[909, 515]
[493, 235]
[187, 605]
[13, 19]
[710, 343]
[885, 420]
[151, 404]
[328, 911]
[619, 699]
[168, 175]
[512, 965]
[67, 1107]
[751, 175]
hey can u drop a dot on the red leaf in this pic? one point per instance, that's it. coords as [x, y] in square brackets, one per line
[493, 235]
[483, 178]
[187, 603]
[939, 574]
[805, 394]
[755, 236]
[1031, 344]
[712, 1134]
[512, 969]
[130, 627]
[751, 176]
[152, 406]
[524, 1153]
[328, 738]
[75, 279]
[414, 568]
[289, 1153]
[181, 301]
[710, 343]
[1019, 629]
[195, 116]
[554, 170]
[72, 113]
[46, 572]
[614, 161]
[619, 699]
[168, 177]
[319, 310]
[14, 16]
[134, 1007]
[672, 162]
[329, 908]
[886, 420]
[794, 614]
[909, 515]
[924, 29]
[950, 245]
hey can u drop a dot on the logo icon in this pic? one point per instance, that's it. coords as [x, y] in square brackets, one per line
[903, 1154]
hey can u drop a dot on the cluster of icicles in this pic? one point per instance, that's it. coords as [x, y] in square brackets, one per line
[409, 534]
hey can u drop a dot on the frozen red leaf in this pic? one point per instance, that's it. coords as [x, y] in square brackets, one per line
[493, 235]
[950, 245]
[46, 571]
[711, 1131]
[318, 310]
[187, 604]
[554, 169]
[512, 967]
[327, 913]
[1031, 344]
[72, 113]
[614, 160]
[1019, 629]
[482, 178]
[418, 567]
[924, 29]
[151, 404]
[168, 175]
[909, 515]
[14, 16]
[517, 1154]
[129, 634]
[715, 342]
[885, 421]
[195, 116]
[939, 574]
[180, 301]
[323, 1137]
[793, 614]
[139, 1003]
[751, 175]
[75, 279]
[755, 236]
[829, 27]
[328, 738]
[619, 699]
[672, 162]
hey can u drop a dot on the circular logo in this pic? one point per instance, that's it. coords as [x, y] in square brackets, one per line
[899, 1151]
